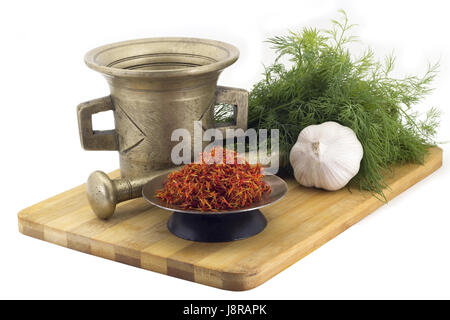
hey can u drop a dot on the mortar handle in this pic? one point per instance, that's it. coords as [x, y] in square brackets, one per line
[95, 140]
[237, 97]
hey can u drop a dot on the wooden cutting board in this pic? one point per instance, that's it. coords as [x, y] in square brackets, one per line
[137, 234]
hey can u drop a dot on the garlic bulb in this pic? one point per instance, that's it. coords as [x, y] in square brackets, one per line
[326, 156]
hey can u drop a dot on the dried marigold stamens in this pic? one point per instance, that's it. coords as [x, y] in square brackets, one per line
[208, 186]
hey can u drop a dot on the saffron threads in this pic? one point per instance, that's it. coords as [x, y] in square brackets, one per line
[218, 180]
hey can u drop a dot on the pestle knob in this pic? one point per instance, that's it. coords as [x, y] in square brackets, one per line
[103, 193]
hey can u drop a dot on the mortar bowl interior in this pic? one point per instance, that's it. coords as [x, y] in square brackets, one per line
[162, 57]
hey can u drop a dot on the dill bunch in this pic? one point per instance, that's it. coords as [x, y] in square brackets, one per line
[324, 82]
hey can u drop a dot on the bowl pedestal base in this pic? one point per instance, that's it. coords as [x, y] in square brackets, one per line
[218, 227]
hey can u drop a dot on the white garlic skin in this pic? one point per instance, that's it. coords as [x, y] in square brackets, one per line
[326, 156]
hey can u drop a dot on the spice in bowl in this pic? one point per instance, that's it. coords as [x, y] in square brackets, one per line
[219, 180]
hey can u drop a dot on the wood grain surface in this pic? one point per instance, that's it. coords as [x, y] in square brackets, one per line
[137, 234]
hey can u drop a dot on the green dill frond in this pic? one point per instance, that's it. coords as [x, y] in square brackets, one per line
[325, 82]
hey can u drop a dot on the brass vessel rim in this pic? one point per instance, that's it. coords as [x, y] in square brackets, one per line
[232, 54]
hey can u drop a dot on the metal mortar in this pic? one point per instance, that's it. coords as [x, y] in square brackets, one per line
[157, 85]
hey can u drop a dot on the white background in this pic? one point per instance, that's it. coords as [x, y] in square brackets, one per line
[399, 251]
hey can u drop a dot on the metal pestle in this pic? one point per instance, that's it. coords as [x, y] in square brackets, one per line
[104, 193]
